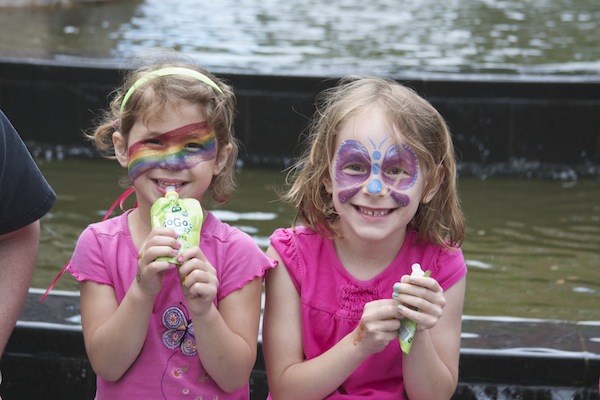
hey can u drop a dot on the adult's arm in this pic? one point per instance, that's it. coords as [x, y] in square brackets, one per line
[18, 254]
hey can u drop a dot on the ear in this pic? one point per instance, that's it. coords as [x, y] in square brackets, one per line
[120, 145]
[222, 157]
[438, 178]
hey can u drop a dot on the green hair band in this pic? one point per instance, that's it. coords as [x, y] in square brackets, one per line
[168, 72]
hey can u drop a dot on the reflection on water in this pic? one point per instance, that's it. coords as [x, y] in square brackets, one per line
[533, 246]
[542, 37]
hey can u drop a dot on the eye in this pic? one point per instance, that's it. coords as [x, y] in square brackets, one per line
[153, 141]
[395, 172]
[193, 146]
[354, 169]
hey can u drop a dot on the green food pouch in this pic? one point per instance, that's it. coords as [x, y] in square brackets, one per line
[408, 327]
[184, 216]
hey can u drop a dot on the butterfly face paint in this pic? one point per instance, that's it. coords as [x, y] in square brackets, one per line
[182, 148]
[354, 165]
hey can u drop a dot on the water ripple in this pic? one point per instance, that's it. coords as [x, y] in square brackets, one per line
[311, 37]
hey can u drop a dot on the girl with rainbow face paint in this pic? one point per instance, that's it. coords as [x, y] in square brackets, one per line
[176, 147]
[191, 327]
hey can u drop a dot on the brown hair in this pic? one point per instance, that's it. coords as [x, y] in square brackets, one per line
[441, 221]
[219, 109]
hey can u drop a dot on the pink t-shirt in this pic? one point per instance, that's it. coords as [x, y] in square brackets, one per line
[168, 366]
[333, 301]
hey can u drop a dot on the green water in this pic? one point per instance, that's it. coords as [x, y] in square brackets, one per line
[532, 246]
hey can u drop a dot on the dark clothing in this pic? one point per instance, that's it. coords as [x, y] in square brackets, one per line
[25, 196]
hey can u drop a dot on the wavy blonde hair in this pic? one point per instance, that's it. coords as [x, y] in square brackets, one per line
[420, 125]
[218, 108]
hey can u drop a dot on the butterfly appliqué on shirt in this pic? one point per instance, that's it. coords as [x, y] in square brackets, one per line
[179, 331]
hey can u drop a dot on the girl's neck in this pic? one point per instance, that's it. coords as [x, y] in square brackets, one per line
[363, 259]
[139, 225]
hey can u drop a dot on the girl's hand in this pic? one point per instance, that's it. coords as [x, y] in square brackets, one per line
[378, 326]
[161, 242]
[421, 300]
[199, 280]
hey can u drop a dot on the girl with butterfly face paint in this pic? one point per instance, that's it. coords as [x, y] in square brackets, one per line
[154, 330]
[375, 193]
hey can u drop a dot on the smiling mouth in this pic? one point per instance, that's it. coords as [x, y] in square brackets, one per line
[163, 184]
[373, 213]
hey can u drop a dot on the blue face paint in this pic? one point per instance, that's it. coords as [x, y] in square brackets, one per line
[374, 186]
[376, 168]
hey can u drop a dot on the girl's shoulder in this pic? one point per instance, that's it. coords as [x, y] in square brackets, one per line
[217, 229]
[413, 242]
[110, 226]
[297, 237]
[108, 235]
[299, 232]
[298, 244]
[447, 265]
[220, 233]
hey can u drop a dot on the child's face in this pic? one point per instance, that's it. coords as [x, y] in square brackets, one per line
[176, 148]
[375, 182]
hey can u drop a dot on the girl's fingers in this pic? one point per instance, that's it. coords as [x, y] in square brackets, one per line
[161, 231]
[191, 253]
[422, 287]
[197, 270]
[193, 258]
[153, 253]
[379, 325]
[199, 276]
[420, 299]
[421, 281]
[162, 237]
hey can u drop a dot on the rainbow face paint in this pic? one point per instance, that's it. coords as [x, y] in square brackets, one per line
[181, 148]
[354, 165]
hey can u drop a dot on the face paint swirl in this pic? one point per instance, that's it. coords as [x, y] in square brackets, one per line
[179, 149]
[354, 165]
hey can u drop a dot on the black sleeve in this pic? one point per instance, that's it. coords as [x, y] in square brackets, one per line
[25, 195]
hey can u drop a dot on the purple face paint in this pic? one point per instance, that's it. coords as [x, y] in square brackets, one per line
[182, 148]
[400, 167]
[353, 166]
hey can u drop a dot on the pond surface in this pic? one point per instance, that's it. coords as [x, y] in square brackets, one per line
[532, 246]
[535, 38]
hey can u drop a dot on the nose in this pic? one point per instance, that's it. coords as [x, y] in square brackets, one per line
[172, 162]
[375, 187]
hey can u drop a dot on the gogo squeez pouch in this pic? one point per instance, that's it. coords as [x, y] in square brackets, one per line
[184, 216]
[408, 327]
